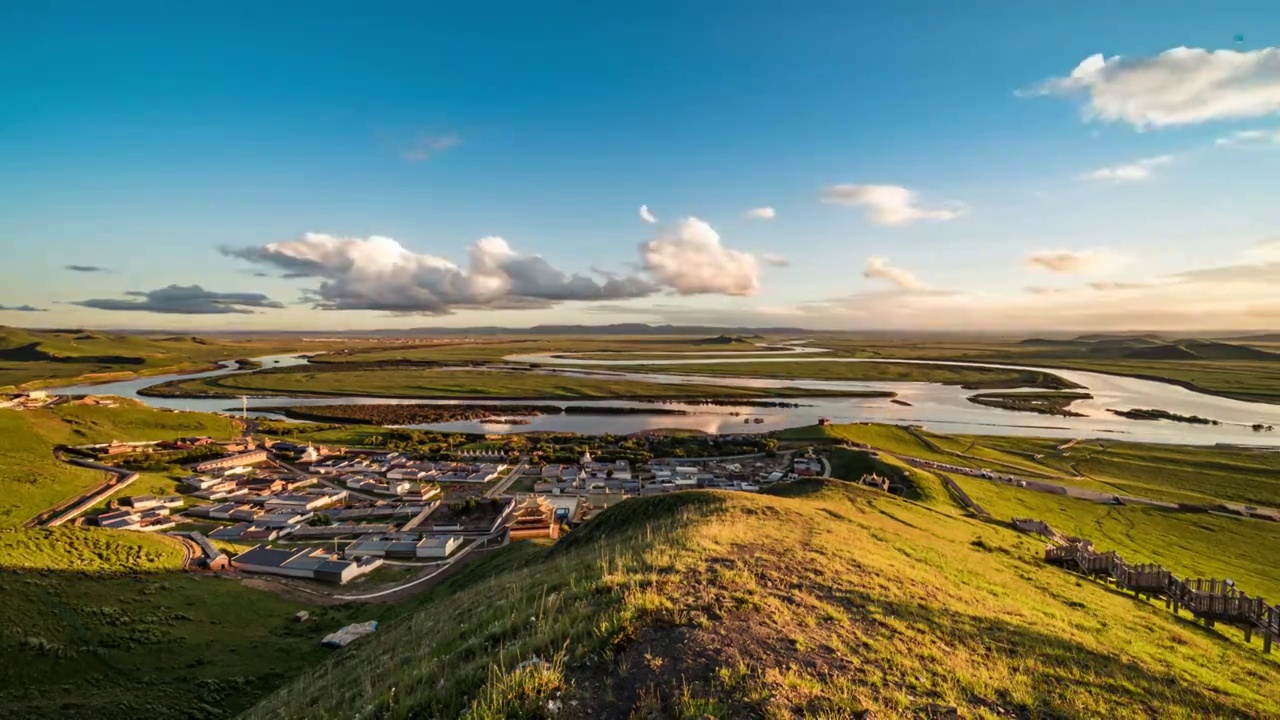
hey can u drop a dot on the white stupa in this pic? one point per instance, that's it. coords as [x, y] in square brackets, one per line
[310, 455]
[586, 457]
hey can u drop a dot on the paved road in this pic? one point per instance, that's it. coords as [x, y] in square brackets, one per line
[511, 477]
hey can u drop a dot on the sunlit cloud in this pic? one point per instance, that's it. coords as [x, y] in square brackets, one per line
[1180, 86]
[889, 204]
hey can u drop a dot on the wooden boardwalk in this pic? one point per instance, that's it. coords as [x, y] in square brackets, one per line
[1211, 601]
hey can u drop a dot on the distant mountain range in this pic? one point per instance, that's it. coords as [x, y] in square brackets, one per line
[1154, 347]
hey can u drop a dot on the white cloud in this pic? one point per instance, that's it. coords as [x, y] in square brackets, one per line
[888, 204]
[688, 258]
[1180, 86]
[1139, 170]
[761, 213]
[378, 273]
[427, 146]
[647, 215]
[878, 268]
[1249, 137]
[1074, 262]
[773, 259]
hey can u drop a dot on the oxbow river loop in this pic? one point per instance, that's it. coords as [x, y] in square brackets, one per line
[942, 407]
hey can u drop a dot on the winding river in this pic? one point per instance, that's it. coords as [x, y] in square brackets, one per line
[940, 407]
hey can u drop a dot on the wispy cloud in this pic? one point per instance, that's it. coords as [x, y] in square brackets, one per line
[426, 146]
[1180, 86]
[1128, 172]
[20, 308]
[1249, 138]
[87, 268]
[647, 215]
[761, 213]
[889, 204]
[1074, 262]
[878, 268]
[774, 259]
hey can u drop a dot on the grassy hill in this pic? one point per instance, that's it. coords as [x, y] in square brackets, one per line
[32, 480]
[821, 600]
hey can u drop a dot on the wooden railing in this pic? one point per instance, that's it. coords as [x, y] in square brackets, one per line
[1208, 600]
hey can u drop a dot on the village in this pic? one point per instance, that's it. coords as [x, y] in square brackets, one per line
[335, 515]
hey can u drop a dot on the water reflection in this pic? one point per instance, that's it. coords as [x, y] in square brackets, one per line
[940, 407]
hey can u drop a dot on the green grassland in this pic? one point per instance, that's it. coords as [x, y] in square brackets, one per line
[35, 358]
[1175, 473]
[448, 383]
[819, 599]
[811, 369]
[31, 480]
[87, 550]
[113, 647]
[72, 424]
[1191, 545]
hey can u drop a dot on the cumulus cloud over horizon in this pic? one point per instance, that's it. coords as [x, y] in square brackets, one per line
[184, 300]
[889, 204]
[689, 258]
[378, 273]
[1180, 86]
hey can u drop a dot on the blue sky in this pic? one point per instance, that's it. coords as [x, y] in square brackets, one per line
[143, 137]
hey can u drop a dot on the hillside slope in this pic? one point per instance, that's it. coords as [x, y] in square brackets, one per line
[821, 599]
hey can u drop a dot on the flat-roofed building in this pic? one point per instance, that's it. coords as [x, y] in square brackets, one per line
[437, 546]
[253, 457]
[305, 563]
